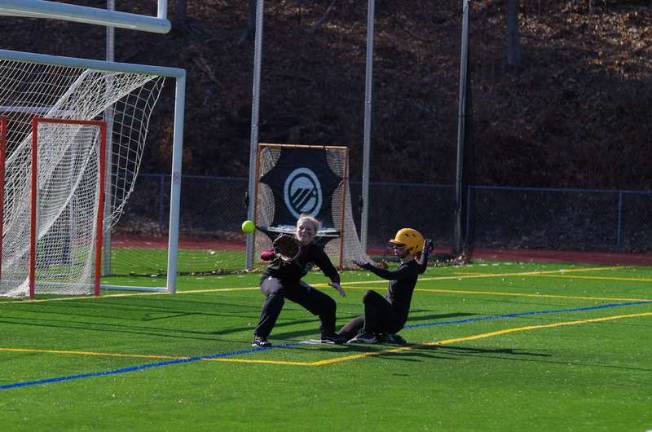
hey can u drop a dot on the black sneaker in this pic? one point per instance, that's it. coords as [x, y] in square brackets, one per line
[393, 338]
[260, 341]
[364, 338]
[333, 339]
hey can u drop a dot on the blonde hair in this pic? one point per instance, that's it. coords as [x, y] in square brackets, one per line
[307, 218]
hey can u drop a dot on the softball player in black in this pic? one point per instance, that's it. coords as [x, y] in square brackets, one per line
[385, 316]
[282, 279]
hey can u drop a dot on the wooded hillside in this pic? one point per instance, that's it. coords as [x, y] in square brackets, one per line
[576, 112]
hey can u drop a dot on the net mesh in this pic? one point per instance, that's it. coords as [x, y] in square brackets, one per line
[342, 250]
[68, 163]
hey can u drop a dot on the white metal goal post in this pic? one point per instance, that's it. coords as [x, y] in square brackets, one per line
[88, 14]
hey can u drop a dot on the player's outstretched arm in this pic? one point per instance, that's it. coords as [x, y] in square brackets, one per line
[383, 273]
[363, 264]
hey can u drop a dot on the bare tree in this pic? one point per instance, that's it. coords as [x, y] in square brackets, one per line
[513, 36]
[251, 23]
[315, 28]
[181, 15]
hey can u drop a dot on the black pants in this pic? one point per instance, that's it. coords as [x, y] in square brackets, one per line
[316, 302]
[378, 317]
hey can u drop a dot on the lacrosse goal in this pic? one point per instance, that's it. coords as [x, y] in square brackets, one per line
[52, 134]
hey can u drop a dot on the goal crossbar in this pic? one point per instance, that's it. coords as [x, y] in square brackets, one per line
[88, 14]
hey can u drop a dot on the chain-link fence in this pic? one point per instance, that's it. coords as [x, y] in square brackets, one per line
[500, 217]
[560, 219]
[211, 206]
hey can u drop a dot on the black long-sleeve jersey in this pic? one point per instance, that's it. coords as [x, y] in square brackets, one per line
[293, 271]
[401, 285]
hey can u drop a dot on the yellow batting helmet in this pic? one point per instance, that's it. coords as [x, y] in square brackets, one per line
[410, 238]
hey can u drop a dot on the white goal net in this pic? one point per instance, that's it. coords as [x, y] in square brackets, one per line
[67, 166]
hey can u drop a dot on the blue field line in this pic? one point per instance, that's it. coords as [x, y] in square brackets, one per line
[521, 314]
[294, 344]
[129, 369]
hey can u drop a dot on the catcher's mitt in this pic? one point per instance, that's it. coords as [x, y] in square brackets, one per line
[287, 247]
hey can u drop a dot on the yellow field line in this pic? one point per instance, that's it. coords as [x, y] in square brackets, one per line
[609, 278]
[274, 362]
[208, 290]
[537, 327]
[130, 294]
[516, 274]
[476, 337]
[48, 300]
[515, 294]
[91, 353]
[149, 356]
[381, 284]
[485, 275]
[334, 360]
[212, 290]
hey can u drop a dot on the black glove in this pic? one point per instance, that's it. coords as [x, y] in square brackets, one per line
[428, 247]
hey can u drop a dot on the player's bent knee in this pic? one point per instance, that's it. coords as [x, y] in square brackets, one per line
[369, 296]
[329, 306]
[276, 297]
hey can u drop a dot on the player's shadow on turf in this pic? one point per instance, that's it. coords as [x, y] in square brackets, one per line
[414, 317]
[302, 334]
[466, 350]
[419, 352]
[136, 311]
[277, 326]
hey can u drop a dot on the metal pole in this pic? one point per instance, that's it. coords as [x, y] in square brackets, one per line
[162, 10]
[620, 229]
[108, 119]
[459, 231]
[368, 105]
[175, 184]
[253, 144]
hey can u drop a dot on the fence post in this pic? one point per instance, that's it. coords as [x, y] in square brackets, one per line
[620, 229]
[161, 198]
[469, 238]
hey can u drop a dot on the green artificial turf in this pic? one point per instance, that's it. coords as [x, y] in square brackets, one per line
[494, 347]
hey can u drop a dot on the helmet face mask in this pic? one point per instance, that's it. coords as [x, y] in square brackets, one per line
[399, 249]
[410, 240]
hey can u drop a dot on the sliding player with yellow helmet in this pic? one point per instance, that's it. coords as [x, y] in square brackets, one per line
[385, 316]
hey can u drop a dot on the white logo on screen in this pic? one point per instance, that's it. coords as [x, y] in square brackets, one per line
[302, 193]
